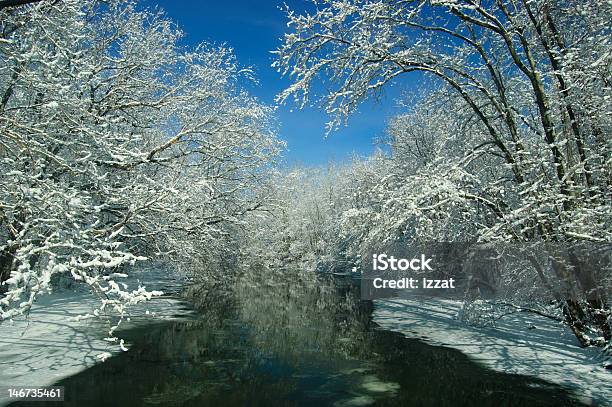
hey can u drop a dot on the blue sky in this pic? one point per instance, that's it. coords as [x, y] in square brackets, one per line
[254, 28]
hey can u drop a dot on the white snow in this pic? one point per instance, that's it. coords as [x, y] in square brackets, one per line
[54, 343]
[548, 351]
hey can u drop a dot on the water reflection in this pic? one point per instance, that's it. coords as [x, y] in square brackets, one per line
[292, 339]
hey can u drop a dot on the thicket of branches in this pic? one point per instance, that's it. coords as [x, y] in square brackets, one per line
[508, 142]
[117, 145]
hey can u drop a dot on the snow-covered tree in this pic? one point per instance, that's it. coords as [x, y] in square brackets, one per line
[117, 145]
[509, 142]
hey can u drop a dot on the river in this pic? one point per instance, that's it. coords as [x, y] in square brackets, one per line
[290, 339]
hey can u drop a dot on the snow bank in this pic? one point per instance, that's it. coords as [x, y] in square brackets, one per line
[520, 343]
[53, 343]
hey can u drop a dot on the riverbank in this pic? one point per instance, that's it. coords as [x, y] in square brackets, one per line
[521, 343]
[54, 343]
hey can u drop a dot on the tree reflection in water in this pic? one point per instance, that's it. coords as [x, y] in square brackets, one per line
[292, 338]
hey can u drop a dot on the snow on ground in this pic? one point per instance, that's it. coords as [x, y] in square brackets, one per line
[548, 351]
[52, 343]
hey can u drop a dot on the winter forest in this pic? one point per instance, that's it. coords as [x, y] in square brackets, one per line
[157, 247]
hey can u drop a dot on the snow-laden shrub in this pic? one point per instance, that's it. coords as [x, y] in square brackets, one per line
[478, 313]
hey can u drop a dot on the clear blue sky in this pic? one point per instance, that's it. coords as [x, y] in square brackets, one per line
[254, 28]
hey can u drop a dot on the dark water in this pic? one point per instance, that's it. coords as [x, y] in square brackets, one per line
[292, 340]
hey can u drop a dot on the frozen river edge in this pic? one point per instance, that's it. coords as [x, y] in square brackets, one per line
[521, 343]
[54, 343]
